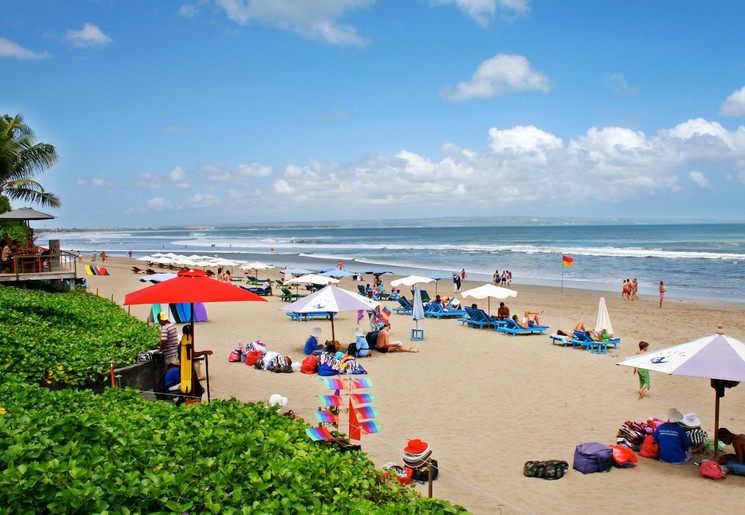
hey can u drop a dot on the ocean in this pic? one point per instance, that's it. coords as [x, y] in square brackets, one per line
[702, 260]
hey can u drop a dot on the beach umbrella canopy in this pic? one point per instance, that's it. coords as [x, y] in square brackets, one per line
[489, 291]
[411, 280]
[337, 272]
[603, 321]
[312, 279]
[295, 271]
[256, 265]
[331, 300]
[417, 313]
[717, 357]
[190, 287]
[25, 214]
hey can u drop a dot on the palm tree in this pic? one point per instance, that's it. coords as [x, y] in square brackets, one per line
[21, 158]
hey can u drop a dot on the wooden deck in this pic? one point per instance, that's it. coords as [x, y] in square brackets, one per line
[61, 268]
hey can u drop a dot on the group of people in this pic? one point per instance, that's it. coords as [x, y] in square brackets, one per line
[363, 344]
[680, 436]
[458, 278]
[630, 290]
[505, 278]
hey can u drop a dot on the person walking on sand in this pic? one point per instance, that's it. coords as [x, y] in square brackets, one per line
[643, 374]
[662, 293]
[463, 274]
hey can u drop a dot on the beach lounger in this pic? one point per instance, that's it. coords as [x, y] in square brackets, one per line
[304, 317]
[361, 290]
[559, 339]
[511, 327]
[437, 311]
[584, 340]
[288, 296]
[476, 318]
[405, 308]
[425, 296]
[258, 291]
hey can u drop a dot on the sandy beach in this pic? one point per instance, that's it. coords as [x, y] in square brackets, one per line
[487, 402]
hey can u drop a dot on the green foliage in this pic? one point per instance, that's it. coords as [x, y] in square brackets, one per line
[67, 338]
[73, 450]
[69, 450]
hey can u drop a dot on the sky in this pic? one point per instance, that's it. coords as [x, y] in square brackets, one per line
[205, 112]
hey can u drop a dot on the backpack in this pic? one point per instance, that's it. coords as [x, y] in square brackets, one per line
[592, 457]
[422, 473]
[372, 339]
[551, 469]
[308, 365]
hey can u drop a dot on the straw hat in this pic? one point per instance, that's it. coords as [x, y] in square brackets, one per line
[674, 416]
[358, 331]
[316, 331]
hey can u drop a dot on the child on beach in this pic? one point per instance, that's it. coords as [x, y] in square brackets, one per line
[662, 293]
[643, 374]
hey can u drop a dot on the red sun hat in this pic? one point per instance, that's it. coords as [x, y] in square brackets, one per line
[416, 447]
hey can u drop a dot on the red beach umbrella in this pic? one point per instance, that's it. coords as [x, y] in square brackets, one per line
[190, 286]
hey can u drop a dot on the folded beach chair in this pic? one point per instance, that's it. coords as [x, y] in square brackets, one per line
[405, 308]
[437, 311]
[511, 327]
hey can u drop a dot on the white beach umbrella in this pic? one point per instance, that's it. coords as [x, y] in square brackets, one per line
[256, 265]
[603, 321]
[411, 280]
[489, 291]
[312, 279]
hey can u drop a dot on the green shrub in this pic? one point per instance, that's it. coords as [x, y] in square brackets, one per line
[68, 338]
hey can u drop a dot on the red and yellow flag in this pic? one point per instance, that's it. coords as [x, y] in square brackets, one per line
[567, 261]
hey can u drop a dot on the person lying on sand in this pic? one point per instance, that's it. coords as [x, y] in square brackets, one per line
[384, 344]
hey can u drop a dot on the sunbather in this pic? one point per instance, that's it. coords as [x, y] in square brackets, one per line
[598, 336]
[384, 344]
[530, 318]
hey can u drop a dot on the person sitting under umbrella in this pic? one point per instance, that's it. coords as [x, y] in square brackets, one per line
[737, 442]
[384, 344]
[673, 440]
[312, 347]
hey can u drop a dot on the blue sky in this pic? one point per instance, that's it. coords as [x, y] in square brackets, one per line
[238, 111]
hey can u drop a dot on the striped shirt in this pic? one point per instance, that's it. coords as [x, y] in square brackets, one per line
[169, 340]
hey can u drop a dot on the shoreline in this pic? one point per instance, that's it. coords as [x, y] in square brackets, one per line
[354, 264]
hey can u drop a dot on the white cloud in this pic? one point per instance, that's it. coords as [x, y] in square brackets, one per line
[500, 75]
[177, 176]
[159, 203]
[484, 11]
[14, 50]
[313, 19]
[241, 174]
[734, 105]
[202, 200]
[524, 169]
[88, 36]
[618, 83]
[149, 181]
[96, 182]
[700, 179]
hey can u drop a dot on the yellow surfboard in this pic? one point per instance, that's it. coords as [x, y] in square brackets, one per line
[186, 358]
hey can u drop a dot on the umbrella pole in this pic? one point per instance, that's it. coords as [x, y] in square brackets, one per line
[716, 424]
[333, 336]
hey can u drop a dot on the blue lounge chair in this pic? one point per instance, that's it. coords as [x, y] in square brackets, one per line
[511, 327]
[584, 340]
[476, 318]
[405, 308]
[437, 311]
[258, 291]
[425, 296]
[304, 317]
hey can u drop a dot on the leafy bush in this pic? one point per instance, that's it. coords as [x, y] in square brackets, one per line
[74, 450]
[68, 338]
[85, 452]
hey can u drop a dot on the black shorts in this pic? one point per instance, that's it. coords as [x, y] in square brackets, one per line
[382, 349]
